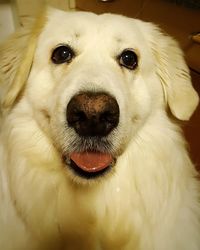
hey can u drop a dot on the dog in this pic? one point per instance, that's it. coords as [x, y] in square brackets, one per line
[92, 154]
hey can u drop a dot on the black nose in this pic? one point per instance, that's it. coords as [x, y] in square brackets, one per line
[93, 114]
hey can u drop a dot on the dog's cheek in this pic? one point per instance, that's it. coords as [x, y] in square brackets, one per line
[40, 94]
[140, 102]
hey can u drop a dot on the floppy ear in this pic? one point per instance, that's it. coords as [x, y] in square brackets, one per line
[16, 57]
[174, 75]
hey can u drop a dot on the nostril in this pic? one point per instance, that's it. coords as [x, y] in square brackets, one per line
[74, 116]
[79, 116]
[106, 116]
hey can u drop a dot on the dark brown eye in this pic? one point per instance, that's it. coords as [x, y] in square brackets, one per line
[62, 54]
[128, 59]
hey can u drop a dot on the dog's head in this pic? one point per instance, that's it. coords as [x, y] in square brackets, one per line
[92, 81]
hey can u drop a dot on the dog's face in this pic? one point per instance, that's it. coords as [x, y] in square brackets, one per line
[94, 75]
[96, 80]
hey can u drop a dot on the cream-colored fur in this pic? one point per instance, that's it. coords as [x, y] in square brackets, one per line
[150, 200]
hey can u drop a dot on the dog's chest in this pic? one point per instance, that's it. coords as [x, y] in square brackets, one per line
[103, 224]
[104, 237]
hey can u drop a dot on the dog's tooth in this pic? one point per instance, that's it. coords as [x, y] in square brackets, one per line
[113, 163]
[68, 161]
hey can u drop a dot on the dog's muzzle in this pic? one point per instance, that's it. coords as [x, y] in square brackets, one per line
[93, 116]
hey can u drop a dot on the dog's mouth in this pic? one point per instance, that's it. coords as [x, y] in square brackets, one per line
[90, 164]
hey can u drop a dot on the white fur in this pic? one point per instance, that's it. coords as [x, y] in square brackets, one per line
[150, 201]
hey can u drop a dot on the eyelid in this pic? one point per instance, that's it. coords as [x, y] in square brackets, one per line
[128, 49]
[64, 44]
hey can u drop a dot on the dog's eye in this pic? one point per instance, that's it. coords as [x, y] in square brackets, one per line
[128, 59]
[62, 54]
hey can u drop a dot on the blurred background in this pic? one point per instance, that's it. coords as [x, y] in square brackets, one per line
[179, 18]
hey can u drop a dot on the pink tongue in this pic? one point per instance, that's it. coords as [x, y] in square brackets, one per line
[91, 161]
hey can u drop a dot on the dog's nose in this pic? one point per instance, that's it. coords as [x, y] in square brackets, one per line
[93, 114]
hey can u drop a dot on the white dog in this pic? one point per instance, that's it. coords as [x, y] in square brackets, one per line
[91, 155]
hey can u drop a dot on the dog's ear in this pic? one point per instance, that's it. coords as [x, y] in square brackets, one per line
[16, 57]
[174, 75]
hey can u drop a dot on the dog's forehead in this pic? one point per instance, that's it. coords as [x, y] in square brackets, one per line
[80, 24]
